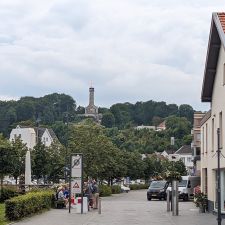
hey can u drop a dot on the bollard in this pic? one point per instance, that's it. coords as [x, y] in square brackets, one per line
[168, 200]
[175, 193]
[99, 206]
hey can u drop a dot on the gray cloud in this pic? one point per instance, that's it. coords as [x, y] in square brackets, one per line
[132, 50]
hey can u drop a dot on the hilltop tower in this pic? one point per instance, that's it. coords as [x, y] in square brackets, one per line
[91, 109]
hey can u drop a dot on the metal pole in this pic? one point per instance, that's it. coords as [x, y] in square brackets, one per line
[177, 198]
[82, 193]
[70, 189]
[67, 140]
[218, 178]
[168, 200]
[99, 206]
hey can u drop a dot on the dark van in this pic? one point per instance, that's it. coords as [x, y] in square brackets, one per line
[157, 190]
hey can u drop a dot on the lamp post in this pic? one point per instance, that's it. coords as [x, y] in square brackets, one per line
[67, 141]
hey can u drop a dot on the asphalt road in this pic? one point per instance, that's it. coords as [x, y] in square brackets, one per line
[126, 209]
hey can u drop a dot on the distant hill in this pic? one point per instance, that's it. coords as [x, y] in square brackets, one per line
[55, 107]
[28, 110]
[143, 113]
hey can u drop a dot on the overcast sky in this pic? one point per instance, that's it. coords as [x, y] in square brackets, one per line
[131, 50]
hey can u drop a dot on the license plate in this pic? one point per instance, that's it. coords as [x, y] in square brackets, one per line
[154, 195]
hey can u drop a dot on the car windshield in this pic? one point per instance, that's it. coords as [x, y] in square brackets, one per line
[157, 184]
[182, 183]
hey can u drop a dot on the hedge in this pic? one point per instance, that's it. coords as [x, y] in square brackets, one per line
[7, 193]
[105, 190]
[116, 189]
[24, 205]
[138, 186]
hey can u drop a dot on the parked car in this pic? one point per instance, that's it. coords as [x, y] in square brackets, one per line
[186, 187]
[125, 188]
[157, 190]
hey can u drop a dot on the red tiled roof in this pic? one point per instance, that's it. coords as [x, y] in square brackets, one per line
[222, 20]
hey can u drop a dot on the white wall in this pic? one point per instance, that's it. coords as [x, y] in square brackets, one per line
[27, 135]
[208, 146]
[46, 138]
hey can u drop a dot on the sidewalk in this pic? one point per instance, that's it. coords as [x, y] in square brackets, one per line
[126, 209]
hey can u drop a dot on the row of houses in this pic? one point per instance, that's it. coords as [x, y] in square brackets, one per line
[30, 136]
[209, 128]
[213, 89]
[206, 138]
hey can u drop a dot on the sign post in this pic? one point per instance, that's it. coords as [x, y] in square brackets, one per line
[76, 177]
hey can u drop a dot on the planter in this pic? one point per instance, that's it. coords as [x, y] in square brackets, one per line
[202, 209]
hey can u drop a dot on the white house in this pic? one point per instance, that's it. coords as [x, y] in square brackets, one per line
[30, 136]
[145, 127]
[185, 154]
[167, 152]
[213, 91]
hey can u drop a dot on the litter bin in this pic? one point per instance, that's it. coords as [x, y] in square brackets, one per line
[78, 205]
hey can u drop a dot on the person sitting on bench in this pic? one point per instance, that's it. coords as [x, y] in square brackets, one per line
[61, 196]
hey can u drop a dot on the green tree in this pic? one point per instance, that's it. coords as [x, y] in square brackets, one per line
[101, 158]
[40, 159]
[186, 111]
[108, 120]
[18, 151]
[5, 158]
[56, 161]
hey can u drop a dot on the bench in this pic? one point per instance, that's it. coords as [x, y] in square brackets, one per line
[58, 203]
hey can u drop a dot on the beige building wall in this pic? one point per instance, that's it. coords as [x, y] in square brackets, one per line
[209, 136]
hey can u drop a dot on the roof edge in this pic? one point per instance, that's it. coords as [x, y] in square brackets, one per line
[219, 28]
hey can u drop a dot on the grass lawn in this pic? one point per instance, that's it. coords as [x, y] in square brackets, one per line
[3, 221]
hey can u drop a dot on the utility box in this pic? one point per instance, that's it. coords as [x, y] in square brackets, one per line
[78, 205]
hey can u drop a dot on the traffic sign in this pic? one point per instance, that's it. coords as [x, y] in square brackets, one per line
[76, 186]
[76, 166]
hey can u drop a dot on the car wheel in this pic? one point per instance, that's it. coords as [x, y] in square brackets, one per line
[149, 199]
[185, 198]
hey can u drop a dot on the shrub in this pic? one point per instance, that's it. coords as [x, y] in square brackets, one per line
[200, 199]
[105, 190]
[138, 186]
[24, 205]
[116, 189]
[7, 193]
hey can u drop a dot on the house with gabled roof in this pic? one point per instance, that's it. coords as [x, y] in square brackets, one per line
[213, 92]
[30, 136]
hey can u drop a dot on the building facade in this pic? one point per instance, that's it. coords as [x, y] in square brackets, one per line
[213, 91]
[196, 142]
[30, 136]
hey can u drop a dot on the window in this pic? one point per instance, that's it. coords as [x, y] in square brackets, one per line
[15, 136]
[221, 129]
[183, 159]
[19, 135]
[47, 139]
[203, 140]
[212, 135]
[206, 138]
[198, 137]
[189, 159]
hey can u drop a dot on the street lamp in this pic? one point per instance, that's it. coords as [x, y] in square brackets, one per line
[67, 140]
